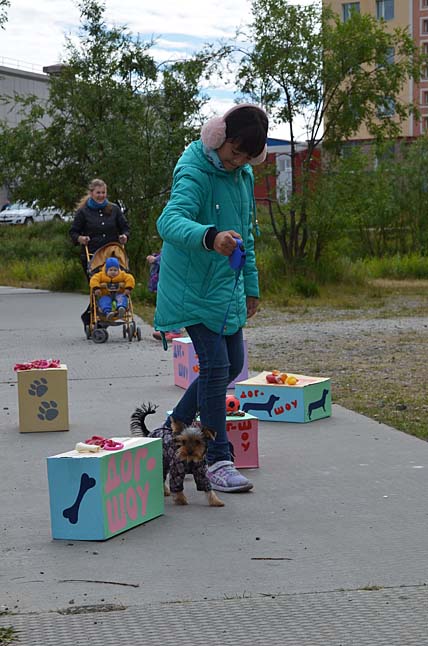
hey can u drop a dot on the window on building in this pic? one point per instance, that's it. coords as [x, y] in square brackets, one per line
[425, 26]
[387, 108]
[348, 149]
[385, 9]
[424, 98]
[424, 73]
[424, 4]
[390, 57]
[425, 124]
[348, 8]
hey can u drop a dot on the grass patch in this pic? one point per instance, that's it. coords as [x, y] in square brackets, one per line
[367, 380]
[398, 267]
[8, 635]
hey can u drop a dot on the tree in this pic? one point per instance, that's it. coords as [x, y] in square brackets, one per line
[410, 194]
[112, 112]
[4, 5]
[306, 64]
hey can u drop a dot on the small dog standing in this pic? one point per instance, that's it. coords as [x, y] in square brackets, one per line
[183, 451]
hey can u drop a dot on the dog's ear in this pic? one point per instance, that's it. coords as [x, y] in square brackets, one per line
[177, 427]
[208, 433]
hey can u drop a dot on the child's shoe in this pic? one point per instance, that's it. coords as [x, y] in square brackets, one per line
[157, 335]
[110, 316]
[169, 336]
[121, 311]
[224, 477]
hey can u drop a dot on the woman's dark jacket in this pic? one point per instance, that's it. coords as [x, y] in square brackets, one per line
[101, 225]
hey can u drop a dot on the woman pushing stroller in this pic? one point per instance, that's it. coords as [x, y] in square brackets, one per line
[96, 223]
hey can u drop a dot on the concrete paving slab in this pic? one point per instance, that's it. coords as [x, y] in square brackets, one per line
[338, 504]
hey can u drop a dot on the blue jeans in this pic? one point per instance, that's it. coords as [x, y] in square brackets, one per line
[220, 362]
[105, 302]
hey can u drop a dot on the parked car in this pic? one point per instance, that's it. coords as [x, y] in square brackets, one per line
[21, 213]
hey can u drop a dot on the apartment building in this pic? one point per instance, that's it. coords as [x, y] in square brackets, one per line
[412, 14]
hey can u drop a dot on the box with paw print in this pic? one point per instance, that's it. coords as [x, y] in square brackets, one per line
[43, 400]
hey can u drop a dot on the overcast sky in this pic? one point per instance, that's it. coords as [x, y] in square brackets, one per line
[35, 31]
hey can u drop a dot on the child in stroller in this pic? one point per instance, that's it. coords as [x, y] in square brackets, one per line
[110, 285]
[110, 294]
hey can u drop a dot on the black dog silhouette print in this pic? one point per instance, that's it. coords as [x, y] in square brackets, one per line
[319, 403]
[262, 406]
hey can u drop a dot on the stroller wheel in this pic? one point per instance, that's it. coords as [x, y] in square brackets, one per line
[138, 333]
[130, 335]
[99, 335]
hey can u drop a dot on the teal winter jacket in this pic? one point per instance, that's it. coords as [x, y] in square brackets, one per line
[195, 284]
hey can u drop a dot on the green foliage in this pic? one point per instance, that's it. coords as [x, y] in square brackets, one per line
[398, 267]
[305, 287]
[42, 257]
[4, 5]
[113, 112]
[306, 63]
[371, 203]
[8, 635]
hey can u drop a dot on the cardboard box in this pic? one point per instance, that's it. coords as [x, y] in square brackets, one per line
[243, 435]
[43, 400]
[186, 365]
[308, 400]
[94, 496]
[242, 432]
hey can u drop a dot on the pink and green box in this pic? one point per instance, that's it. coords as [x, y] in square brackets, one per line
[94, 496]
[307, 401]
[186, 365]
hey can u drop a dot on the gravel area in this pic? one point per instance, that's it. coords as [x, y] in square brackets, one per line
[376, 357]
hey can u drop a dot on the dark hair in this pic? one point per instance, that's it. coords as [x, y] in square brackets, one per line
[248, 127]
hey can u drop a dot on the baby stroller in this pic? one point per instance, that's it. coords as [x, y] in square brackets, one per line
[97, 328]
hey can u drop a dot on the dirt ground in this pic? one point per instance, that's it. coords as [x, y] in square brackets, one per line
[376, 356]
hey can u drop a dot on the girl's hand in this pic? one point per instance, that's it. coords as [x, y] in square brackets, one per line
[252, 305]
[123, 239]
[224, 242]
[97, 292]
[83, 240]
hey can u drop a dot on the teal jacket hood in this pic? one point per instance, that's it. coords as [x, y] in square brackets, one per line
[195, 284]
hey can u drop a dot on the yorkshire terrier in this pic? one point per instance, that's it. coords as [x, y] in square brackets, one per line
[184, 449]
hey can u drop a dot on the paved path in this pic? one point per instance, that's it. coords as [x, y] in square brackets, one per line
[330, 548]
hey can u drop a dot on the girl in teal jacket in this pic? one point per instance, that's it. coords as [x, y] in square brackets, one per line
[211, 206]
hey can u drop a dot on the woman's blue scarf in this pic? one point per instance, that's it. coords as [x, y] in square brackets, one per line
[96, 205]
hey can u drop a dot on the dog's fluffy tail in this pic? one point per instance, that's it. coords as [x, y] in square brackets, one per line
[138, 419]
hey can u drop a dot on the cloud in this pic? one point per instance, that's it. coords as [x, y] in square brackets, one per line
[206, 19]
[34, 34]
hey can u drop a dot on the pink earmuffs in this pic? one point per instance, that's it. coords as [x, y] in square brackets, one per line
[213, 133]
